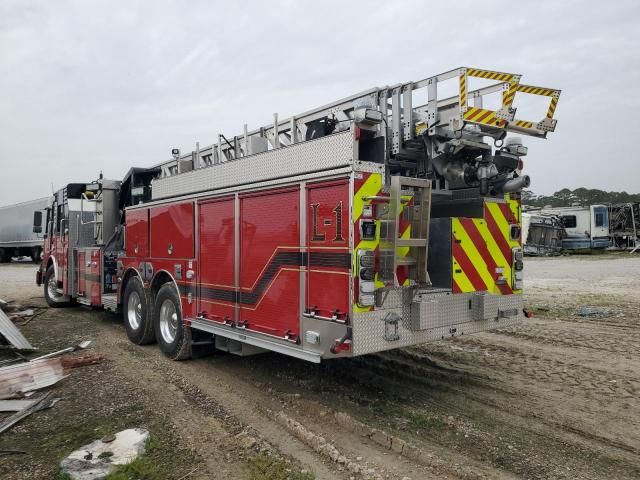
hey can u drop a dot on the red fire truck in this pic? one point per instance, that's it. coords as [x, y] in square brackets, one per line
[385, 219]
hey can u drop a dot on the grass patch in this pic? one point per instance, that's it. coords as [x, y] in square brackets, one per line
[144, 467]
[264, 467]
[60, 475]
[425, 421]
[388, 411]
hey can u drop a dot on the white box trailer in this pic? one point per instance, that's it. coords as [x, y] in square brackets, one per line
[587, 228]
[17, 236]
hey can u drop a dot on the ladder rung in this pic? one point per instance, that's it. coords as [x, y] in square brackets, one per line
[415, 182]
[384, 199]
[411, 242]
[405, 261]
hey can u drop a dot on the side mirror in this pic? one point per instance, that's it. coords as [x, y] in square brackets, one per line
[37, 221]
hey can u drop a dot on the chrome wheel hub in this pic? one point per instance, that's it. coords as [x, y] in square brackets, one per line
[168, 321]
[52, 288]
[134, 310]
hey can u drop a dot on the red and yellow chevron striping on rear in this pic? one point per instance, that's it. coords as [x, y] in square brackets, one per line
[481, 249]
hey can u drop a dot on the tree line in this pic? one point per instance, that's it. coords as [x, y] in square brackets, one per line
[582, 196]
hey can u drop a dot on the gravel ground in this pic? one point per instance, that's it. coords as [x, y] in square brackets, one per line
[553, 397]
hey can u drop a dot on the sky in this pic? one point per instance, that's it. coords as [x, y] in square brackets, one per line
[100, 86]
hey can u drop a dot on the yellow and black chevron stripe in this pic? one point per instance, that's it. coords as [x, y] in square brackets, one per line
[524, 124]
[552, 107]
[484, 117]
[509, 95]
[545, 92]
[463, 92]
[490, 75]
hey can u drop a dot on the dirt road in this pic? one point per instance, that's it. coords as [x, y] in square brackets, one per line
[554, 397]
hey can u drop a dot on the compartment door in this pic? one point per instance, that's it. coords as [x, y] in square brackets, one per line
[172, 231]
[329, 260]
[216, 227]
[137, 233]
[270, 262]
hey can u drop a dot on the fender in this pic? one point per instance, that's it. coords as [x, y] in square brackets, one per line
[175, 284]
[126, 274]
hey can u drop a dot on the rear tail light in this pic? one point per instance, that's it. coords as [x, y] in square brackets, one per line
[366, 277]
[517, 267]
[341, 345]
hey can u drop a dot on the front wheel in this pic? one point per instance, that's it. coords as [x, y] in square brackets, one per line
[136, 313]
[174, 338]
[51, 295]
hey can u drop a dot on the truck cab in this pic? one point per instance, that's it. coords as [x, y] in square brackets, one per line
[80, 219]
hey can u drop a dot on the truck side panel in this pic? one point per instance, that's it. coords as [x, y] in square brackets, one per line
[270, 262]
[328, 272]
[137, 233]
[172, 231]
[216, 226]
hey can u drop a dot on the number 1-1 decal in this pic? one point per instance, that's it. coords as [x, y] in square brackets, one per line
[321, 237]
[338, 212]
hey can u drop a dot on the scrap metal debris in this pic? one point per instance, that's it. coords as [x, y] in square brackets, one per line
[11, 451]
[15, 405]
[11, 333]
[83, 361]
[29, 376]
[40, 404]
[21, 380]
[16, 311]
[80, 346]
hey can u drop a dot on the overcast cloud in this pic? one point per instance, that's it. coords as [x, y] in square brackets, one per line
[92, 86]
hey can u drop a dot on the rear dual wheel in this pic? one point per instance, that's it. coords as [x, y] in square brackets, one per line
[174, 338]
[161, 322]
[136, 313]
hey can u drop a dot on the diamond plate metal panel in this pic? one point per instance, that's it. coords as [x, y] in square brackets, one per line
[369, 167]
[484, 306]
[81, 234]
[324, 153]
[454, 317]
[422, 313]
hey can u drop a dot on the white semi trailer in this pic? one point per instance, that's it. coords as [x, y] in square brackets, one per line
[19, 227]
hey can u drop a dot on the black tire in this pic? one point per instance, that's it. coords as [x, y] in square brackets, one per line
[136, 313]
[36, 255]
[53, 298]
[4, 256]
[174, 337]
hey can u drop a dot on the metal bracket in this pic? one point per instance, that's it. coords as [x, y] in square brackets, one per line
[391, 332]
